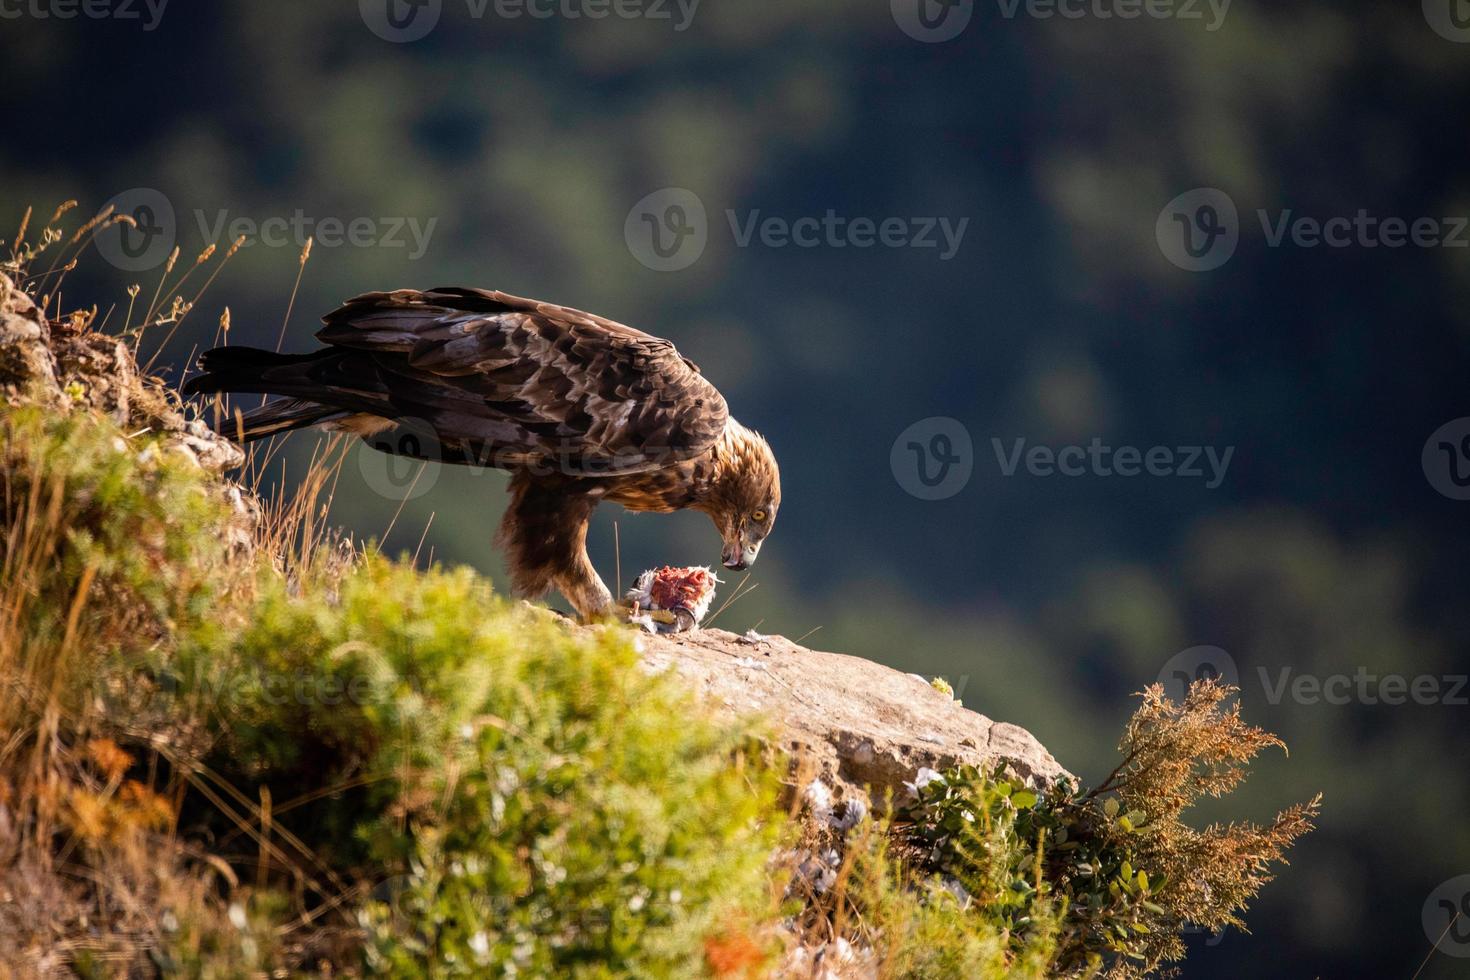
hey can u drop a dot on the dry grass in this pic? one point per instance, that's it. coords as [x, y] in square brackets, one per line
[93, 780]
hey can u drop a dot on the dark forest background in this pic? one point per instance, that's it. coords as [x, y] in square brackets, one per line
[1325, 550]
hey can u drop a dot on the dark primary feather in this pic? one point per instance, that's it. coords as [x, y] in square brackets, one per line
[483, 376]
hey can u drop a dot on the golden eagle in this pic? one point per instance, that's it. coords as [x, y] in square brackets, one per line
[578, 408]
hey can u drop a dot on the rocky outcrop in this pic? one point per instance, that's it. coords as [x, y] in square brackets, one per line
[25, 352]
[47, 363]
[63, 370]
[860, 723]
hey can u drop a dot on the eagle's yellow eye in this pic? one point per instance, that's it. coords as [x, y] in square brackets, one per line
[758, 516]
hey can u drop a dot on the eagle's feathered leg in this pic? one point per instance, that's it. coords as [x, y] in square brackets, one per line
[544, 534]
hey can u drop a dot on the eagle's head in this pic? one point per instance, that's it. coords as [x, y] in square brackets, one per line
[743, 495]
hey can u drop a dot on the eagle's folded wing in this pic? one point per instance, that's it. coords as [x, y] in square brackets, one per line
[510, 381]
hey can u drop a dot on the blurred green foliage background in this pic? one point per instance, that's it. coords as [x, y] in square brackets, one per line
[1046, 600]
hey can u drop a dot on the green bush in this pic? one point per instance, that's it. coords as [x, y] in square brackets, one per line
[906, 919]
[1114, 875]
[533, 798]
[457, 784]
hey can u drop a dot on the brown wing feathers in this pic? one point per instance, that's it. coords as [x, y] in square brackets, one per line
[498, 378]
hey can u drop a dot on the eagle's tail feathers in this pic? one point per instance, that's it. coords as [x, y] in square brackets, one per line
[236, 369]
[273, 418]
[249, 369]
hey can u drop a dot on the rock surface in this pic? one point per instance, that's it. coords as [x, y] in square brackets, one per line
[25, 356]
[861, 723]
[39, 361]
[44, 363]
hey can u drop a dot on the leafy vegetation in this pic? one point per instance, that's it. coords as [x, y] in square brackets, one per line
[459, 784]
[979, 873]
[1110, 878]
[866, 903]
[540, 803]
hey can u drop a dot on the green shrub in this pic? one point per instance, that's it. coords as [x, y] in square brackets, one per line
[1114, 873]
[453, 783]
[537, 801]
[910, 921]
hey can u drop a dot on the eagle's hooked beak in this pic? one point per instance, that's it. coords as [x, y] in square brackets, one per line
[740, 540]
[738, 555]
